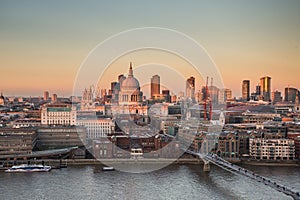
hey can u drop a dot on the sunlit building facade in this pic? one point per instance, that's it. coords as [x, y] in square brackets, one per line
[58, 114]
[272, 149]
[265, 88]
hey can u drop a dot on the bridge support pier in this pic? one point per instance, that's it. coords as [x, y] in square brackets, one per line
[206, 167]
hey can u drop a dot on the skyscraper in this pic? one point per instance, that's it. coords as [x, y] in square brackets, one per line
[155, 85]
[276, 97]
[190, 88]
[224, 95]
[166, 95]
[54, 98]
[246, 90]
[265, 88]
[46, 96]
[290, 94]
[214, 94]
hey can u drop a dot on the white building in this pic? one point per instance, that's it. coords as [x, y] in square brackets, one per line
[58, 114]
[272, 149]
[96, 127]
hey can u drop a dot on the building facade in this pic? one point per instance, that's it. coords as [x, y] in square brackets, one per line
[46, 96]
[276, 97]
[158, 145]
[87, 101]
[265, 88]
[130, 96]
[246, 90]
[96, 127]
[155, 86]
[224, 95]
[130, 93]
[297, 147]
[228, 146]
[58, 114]
[290, 94]
[271, 149]
[54, 98]
[17, 141]
[190, 88]
[60, 137]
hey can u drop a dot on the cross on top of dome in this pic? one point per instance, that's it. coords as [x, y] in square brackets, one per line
[130, 83]
[130, 70]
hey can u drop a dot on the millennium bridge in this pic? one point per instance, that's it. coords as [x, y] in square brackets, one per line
[220, 162]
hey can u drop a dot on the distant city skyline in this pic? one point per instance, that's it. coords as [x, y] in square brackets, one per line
[146, 86]
[44, 43]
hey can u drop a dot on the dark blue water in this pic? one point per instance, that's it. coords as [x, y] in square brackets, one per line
[172, 182]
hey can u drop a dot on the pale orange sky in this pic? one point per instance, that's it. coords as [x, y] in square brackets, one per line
[43, 45]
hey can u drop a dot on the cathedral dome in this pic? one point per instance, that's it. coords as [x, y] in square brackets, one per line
[129, 93]
[130, 83]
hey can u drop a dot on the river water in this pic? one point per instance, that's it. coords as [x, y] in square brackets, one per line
[172, 182]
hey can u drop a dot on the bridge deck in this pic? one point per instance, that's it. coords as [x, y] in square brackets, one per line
[215, 159]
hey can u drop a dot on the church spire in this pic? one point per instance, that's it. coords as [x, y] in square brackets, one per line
[130, 70]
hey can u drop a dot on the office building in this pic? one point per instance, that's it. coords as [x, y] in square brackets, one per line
[60, 137]
[97, 126]
[46, 96]
[190, 88]
[276, 97]
[54, 98]
[14, 141]
[246, 90]
[214, 94]
[155, 86]
[224, 95]
[271, 149]
[166, 95]
[265, 88]
[58, 114]
[297, 147]
[290, 94]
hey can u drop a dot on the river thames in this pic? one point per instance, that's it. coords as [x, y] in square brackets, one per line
[172, 182]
